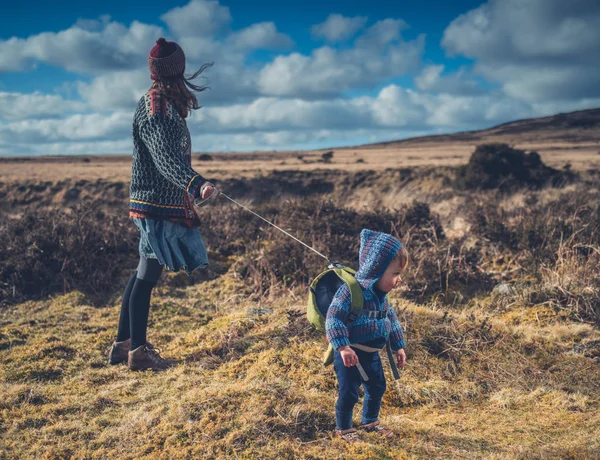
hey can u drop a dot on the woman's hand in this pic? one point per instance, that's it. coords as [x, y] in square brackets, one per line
[349, 356]
[208, 190]
[401, 357]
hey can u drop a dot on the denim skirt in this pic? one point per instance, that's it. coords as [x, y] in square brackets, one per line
[174, 245]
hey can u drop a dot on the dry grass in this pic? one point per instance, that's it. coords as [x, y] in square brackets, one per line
[250, 385]
[118, 167]
[492, 373]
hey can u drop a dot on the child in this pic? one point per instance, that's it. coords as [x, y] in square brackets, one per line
[382, 260]
[163, 185]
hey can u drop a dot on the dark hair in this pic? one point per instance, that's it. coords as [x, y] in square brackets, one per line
[178, 90]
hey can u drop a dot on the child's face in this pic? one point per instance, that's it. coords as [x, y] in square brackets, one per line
[391, 278]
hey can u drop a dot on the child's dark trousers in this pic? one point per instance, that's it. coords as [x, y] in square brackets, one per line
[349, 380]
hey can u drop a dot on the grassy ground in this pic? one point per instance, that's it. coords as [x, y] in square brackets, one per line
[114, 168]
[507, 372]
[249, 383]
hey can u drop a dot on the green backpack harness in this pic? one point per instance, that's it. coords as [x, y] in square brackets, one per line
[322, 291]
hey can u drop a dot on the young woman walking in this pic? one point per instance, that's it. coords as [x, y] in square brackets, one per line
[163, 187]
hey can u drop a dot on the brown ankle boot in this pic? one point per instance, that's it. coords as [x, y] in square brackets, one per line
[376, 427]
[118, 352]
[350, 435]
[147, 357]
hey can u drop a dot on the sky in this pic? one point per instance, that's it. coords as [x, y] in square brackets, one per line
[292, 75]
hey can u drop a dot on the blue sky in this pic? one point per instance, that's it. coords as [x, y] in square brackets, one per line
[293, 75]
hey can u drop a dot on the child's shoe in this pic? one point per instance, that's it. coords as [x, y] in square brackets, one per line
[118, 352]
[349, 435]
[376, 427]
[147, 357]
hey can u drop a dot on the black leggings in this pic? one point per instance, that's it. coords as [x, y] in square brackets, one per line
[135, 306]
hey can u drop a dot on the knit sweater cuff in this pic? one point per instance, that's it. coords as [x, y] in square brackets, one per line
[398, 345]
[195, 185]
[339, 342]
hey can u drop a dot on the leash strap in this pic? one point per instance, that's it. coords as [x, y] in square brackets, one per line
[362, 372]
[392, 361]
[390, 355]
[278, 228]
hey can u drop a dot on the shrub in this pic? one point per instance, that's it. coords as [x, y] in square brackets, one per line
[55, 251]
[439, 265]
[327, 156]
[535, 233]
[555, 245]
[79, 248]
[499, 166]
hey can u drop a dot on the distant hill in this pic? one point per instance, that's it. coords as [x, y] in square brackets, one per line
[582, 126]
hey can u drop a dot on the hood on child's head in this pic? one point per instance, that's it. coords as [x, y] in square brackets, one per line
[377, 250]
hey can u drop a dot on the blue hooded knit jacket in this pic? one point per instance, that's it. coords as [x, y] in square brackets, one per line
[376, 252]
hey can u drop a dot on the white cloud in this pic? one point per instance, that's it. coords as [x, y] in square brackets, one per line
[382, 33]
[394, 108]
[430, 79]
[93, 46]
[261, 35]
[393, 112]
[338, 28]
[86, 148]
[118, 56]
[10, 150]
[13, 57]
[468, 113]
[397, 107]
[79, 127]
[115, 91]
[538, 84]
[543, 30]
[546, 108]
[537, 49]
[379, 54]
[17, 106]
[273, 114]
[229, 82]
[199, 18]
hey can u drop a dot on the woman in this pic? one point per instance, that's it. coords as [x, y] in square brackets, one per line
[163, 187]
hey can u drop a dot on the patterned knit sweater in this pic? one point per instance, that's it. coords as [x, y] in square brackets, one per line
[376, 252]
[162, 178]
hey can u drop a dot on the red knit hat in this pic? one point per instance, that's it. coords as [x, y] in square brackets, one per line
[166, 60]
